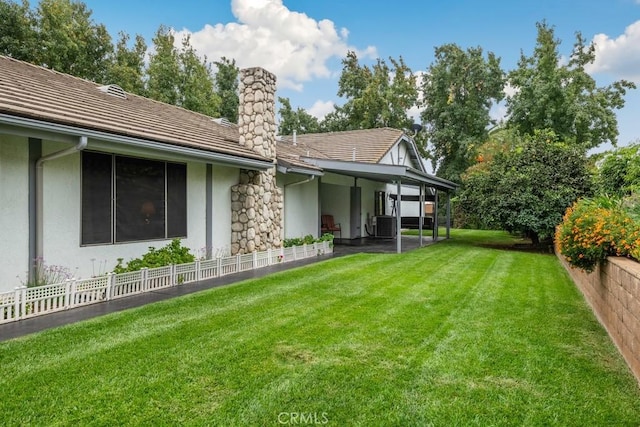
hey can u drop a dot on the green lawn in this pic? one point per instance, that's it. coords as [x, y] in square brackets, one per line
[451, 334]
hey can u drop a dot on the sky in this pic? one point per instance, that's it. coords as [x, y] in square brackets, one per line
[303, 41]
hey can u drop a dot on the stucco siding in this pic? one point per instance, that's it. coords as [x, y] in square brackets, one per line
[223, 179]
[14, 210]
[62, 218]
[300, 205]
[335, 200]
[398, 155]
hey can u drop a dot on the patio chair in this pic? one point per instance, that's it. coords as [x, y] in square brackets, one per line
[328, 225]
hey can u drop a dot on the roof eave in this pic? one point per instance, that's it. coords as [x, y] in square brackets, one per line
[98, 137]
[383, 172]
[286, 168]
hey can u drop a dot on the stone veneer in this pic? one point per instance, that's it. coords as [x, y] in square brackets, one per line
[613, 292]
[257, 202]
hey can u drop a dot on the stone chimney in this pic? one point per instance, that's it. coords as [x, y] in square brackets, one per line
[257, 202]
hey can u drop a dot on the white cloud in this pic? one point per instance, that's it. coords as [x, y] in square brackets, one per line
[619, 57]
[509, 90]
[267, 34]
[320, 109]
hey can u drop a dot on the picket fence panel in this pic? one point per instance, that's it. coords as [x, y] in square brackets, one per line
[24, 302]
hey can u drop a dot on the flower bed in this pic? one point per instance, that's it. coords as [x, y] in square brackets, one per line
[27, 302]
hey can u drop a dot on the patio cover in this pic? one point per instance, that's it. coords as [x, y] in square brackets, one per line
[398, 174]
[383, 173]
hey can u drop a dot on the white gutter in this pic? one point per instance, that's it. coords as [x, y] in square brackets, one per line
[82, 144]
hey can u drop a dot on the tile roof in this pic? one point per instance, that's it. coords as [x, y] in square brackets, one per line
[370, 144]
[289, 155]
[38, 93]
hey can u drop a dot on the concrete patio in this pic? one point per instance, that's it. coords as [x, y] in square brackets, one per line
[373, 245]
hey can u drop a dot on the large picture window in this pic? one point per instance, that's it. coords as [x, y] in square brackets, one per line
[128, 199]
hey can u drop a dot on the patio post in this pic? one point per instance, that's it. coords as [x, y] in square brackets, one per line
[448, 215]
[420, 213]
[435, 216]
[399, 218]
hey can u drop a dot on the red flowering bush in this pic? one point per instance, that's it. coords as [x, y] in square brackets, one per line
[591, 230]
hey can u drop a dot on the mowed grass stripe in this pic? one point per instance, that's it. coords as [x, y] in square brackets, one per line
[452, 334]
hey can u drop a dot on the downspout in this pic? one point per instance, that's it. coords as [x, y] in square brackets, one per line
[82, 144]
[304, 181]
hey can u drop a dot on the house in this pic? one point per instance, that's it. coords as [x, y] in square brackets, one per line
[90, 174]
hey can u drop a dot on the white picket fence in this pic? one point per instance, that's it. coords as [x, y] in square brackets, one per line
[27, 302]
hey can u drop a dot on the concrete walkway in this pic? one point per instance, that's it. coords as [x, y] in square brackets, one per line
[39, 323]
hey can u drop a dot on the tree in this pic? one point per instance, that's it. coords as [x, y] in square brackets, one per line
[527, 185]
[196, 82]
[226, 86]
[563, 98]
[298, 120]
[458, 91]
[618, 172]
[163, 72]
[127, 66]
[180, 77]
[18, 37]
[377, 96]
[70, 41]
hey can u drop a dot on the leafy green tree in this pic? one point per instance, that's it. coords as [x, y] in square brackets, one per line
[564, 98]
[459, 89]
[527, 185]
[163, 72]
[336, 121]
[226, 86]
[180, 77]
[618, 172]
[70, 41]
[377, 96]
[298, 120]
[127, 67]
[196, 82]
[18, 37]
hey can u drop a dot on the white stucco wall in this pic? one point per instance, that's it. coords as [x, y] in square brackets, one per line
[300, 205]
[223, 178]
[62, 220]
[397, 155]
[14, 211]
[335, 200]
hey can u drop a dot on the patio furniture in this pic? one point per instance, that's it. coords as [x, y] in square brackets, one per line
[328, 225]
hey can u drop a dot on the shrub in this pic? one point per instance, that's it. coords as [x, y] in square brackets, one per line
[306, 240]
[173, 253]
[593, 229]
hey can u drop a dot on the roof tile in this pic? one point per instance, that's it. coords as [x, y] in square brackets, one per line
[366, 145]
[38, 93]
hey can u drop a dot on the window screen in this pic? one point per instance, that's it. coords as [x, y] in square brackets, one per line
[149, 199]
[140, 199]
[176, 200]
[96, 198]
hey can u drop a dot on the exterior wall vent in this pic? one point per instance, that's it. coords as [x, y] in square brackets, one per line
[113, 90]
[223, 122]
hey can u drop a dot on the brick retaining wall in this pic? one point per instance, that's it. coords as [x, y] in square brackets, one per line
[613, 292]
